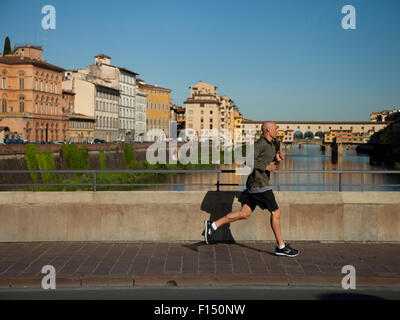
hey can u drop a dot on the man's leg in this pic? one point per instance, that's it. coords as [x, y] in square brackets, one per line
[209, 227]
[244, 213]
[283, 249]
[276, 226]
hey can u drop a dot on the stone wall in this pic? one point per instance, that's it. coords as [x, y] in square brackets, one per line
[178, 216]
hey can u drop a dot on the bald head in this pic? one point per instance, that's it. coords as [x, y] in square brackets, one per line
[269, 129]
[268, 125]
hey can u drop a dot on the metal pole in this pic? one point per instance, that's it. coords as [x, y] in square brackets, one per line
[95, 182]
[218, 181]
[340, 182]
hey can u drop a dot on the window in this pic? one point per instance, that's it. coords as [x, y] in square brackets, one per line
[36, 84]
[21, 104]
[190, 111]
[4, 83]
[211, 112]
[4, 105]
[36, 109]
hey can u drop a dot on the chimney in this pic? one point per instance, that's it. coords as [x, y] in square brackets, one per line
[27, 44]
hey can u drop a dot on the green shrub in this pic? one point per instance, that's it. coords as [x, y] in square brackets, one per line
[46, 162]
[129, 157]
[78, 159]
[101, 159]
[31, 162]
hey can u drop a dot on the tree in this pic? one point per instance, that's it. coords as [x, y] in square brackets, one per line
[7, 46]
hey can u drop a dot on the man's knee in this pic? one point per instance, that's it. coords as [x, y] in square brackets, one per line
[246, 212]
[276, 213]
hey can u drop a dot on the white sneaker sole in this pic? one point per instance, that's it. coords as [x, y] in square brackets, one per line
[205, 231]
[286, 255]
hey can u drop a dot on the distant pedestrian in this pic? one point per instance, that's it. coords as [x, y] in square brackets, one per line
[267, 156]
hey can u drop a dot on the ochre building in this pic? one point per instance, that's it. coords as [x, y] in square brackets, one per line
[31, 96]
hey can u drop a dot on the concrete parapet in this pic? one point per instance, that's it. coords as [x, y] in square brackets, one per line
[166, 216]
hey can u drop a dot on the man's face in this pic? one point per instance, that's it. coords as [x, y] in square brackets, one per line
[272, 131]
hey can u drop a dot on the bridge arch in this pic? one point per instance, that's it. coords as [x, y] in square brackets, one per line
[298, 135]
[308, 134]
[319, 134]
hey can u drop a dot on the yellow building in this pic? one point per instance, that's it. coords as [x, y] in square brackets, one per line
[159, 104]
[281, 134]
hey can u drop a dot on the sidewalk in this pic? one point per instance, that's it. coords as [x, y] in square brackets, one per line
[89, 264]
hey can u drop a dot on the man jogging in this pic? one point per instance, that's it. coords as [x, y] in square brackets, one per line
[258, 192]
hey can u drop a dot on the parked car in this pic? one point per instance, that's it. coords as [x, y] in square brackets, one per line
[59, 142]
[13, 141]
[96, 141]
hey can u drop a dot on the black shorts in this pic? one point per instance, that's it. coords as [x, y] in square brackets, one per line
[265, 200]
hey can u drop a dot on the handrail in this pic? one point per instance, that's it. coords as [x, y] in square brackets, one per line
[340, 184]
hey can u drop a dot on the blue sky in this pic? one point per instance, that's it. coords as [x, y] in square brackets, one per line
[278, 60]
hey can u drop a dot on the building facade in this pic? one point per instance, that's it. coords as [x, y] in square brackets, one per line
[202, 111]
[159, 104]
[127, 104]
[140, 115]
[81, 127]
[106, 113]
[31, 96]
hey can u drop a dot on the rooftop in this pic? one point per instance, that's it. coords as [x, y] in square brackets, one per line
[13, 60]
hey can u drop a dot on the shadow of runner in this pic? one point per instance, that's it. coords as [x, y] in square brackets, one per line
[218, 204]
[255, 249]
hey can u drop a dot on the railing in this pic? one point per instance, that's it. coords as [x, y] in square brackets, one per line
[218, 185]
[339, 185]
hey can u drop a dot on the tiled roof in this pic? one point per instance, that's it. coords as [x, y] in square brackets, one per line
[25, 60]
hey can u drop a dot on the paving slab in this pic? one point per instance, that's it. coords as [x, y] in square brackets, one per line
[93, 264]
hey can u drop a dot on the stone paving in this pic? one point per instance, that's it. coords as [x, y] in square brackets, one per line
[195, 263]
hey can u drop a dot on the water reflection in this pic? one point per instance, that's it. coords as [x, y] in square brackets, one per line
[309, 157]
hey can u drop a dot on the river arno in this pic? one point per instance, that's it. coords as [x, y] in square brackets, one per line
[309, 158]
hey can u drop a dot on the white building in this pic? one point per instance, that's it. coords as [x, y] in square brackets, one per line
[140, 115]
[106, 113]
[127, 110]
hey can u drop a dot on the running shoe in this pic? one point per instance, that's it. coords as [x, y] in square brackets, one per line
[208, 231]
[286, 251]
